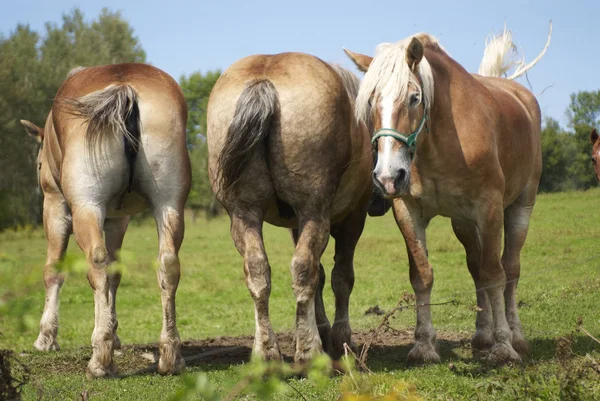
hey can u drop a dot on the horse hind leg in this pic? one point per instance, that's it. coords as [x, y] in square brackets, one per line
[492, 278]
[516, 225]
[170, 226]
[57, 225]
[321, 316]
[469, 237]
[88, 221]
[314, 227]
[114, 232]
[346, 235]
[246, 232]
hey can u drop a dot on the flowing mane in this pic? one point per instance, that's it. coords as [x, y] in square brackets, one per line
[389, 75]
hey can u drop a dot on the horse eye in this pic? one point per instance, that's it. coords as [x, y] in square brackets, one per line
[414, 99]
[593, 159]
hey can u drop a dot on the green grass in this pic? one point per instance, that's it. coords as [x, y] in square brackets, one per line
[560, 282]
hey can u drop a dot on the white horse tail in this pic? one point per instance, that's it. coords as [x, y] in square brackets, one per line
[496, 59]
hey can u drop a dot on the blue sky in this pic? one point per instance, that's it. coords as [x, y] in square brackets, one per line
[185, 36]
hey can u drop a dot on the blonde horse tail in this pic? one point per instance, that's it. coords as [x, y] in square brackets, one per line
[252, 121]
[112, 110]
[496, 57]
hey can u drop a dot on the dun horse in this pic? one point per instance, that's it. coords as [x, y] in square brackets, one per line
[284, 147]
[463, 146]
[113, 145]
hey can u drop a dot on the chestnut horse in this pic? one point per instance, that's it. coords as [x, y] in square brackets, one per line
[595, 151]
[284, 147]
[463, 146]
[113, 145]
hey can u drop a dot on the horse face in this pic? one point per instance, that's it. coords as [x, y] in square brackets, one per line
[392, 170]
[396, 110]
[595, 152]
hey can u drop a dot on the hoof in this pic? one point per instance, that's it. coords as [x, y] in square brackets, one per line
[96, 370]
[116, 342]
[482, 341]
[302, 357]
[46, 344]
[339, 336]
[422, 354]
[174, 368]
[503, 353]
[520, 344]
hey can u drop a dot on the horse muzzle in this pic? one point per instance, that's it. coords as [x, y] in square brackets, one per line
[392, 186]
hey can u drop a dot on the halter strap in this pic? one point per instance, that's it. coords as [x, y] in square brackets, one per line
[409, 140]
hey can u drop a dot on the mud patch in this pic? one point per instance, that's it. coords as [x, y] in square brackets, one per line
[389, 349]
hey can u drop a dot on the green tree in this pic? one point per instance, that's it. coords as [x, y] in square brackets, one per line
[584, 114]
[32, 67]
[196, 89]
[558, 151]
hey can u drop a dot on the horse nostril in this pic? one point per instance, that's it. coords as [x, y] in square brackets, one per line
[400, 178]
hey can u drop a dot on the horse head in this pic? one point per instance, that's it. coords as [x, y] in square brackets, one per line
[395, 97]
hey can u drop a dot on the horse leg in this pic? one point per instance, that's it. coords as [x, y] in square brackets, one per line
[57, 225]
[314, 234]
[114, 231]
[246, 232]
[88, 221]
[170, 226]
[516, 225]
[493, 279]
[467, 234]
[421, 279]
[321, 316]
[346, 235]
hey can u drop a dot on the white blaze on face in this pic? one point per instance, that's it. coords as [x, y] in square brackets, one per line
[386, 155]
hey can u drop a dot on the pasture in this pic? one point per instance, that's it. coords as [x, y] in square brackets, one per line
[560, 283]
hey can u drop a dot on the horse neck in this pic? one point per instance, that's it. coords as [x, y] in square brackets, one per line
[449, 78]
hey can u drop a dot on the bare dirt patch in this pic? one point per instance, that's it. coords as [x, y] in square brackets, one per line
[390, 349]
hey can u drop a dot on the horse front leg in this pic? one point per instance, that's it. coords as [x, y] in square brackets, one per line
[421, 278]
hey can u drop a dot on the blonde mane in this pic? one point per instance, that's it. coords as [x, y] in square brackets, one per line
[390, 75]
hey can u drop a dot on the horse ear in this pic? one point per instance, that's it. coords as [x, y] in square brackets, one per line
[414, 53]
[593, 136]
[33, 130]
[361, 61]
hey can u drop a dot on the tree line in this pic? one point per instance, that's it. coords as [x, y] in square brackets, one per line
[33, 65]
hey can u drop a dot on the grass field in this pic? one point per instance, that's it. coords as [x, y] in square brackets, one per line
[560, 282]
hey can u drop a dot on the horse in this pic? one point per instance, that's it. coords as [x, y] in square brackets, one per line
[114, 144]
[595, 151]
[284, 147]
[463, 146]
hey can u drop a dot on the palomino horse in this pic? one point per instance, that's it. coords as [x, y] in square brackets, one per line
[114, 144]
[595, 152]
[285, 148]
[462, 146]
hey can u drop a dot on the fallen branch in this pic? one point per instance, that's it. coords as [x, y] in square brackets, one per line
[362, 365]
[406, 299]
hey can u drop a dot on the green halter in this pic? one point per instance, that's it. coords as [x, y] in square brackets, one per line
[409, 140]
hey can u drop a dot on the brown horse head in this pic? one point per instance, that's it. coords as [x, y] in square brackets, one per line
[396, 95]
[595, 151]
